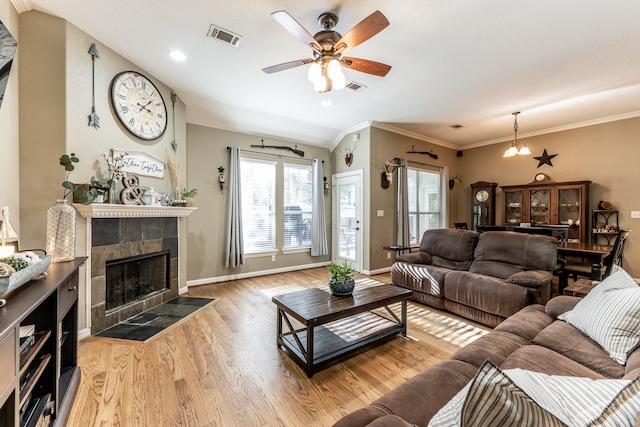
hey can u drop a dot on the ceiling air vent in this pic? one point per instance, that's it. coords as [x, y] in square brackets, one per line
[223, 35]
[356, 86]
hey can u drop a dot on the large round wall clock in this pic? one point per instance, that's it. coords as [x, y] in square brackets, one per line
[139, 105]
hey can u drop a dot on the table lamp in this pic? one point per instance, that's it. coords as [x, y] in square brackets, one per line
[7, 234]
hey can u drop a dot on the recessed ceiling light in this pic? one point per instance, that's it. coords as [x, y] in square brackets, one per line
[177, 55]
[327, 102]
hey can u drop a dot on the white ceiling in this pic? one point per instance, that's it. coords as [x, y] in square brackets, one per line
[561, 63]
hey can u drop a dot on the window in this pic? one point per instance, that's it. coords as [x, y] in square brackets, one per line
[425, 205]
[297, 206]
[258, 204]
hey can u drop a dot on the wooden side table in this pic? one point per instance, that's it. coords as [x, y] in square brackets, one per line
[579, 288]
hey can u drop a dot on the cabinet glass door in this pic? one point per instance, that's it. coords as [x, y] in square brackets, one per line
[569, 210]
[513, 207]
[539, 202]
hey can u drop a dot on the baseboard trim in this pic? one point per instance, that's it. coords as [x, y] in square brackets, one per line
[83, 333]
[207, 281]
[378, 271]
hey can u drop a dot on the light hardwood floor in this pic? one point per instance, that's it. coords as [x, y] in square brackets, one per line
[221, 367]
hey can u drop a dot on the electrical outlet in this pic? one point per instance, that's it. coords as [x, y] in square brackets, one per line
[635, 214]
[380, 212]
[273, 258]
[388, 255]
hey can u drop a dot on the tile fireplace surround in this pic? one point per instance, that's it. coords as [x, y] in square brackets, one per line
[119, 231]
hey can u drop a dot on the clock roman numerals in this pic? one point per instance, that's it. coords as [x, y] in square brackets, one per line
[139, 105]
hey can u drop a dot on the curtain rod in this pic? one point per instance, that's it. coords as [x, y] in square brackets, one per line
[282, 156]
[424, 164]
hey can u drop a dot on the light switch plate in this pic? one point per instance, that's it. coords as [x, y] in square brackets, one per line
[380, 212]
[635, 214]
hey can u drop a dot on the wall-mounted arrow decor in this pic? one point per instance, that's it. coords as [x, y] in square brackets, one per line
[94, 119]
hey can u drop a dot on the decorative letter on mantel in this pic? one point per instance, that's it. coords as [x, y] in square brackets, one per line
[141, 163]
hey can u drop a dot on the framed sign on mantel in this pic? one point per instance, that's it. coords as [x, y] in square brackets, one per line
[140, 163]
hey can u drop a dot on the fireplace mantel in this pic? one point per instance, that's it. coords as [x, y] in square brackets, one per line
[105, 210]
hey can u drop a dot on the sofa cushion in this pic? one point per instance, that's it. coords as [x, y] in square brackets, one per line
[526, 323]
[610, 315]
[496, 346]
[493, 399]
[526, 251]
[564, 339]
[450, 248]
[485, 293]
[541, 359]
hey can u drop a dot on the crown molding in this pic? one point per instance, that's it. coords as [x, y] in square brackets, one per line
[22, 5]
[347, 131]
[414, 135]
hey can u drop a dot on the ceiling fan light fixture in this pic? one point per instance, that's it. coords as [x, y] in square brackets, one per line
[320, 85]
[314, 73]
[334, 69]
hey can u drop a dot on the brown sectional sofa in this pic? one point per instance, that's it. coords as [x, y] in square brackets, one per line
[531, 339]
[483, 277]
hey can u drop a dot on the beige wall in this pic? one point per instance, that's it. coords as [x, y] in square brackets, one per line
[207, 226]
[9, 137]
[385, 145]
[55, 102]
[606, 154]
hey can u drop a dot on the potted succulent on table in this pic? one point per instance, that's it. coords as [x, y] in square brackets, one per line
[341, 282]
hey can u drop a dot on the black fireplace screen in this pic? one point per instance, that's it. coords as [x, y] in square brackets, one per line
[135, 278]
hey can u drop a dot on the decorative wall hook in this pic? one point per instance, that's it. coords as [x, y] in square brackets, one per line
[452, 181]
[221, 179]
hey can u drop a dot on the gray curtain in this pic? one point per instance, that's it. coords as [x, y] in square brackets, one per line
[402, 233]
[318, 222]
[235, 245]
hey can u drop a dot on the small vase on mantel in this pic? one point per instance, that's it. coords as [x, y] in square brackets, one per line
[61, 231]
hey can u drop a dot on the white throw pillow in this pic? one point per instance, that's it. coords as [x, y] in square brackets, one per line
[516, 397]
[610, 315]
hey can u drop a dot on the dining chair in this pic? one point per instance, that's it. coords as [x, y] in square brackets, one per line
[576, 269]
[460, 225]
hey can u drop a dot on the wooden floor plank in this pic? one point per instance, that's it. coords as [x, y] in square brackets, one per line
[221, 367]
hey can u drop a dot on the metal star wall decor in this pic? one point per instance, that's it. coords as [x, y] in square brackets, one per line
[545, 159]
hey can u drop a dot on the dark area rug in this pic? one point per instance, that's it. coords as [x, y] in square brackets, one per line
[146, 325]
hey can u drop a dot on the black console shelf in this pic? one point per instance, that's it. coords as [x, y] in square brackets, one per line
[37, 386]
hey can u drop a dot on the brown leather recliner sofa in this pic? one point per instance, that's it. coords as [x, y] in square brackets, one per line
[483, 277]
[531, 339]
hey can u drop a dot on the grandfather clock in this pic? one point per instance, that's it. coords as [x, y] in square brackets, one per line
[483, 203]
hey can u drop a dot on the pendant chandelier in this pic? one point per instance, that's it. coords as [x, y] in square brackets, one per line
[513, 148]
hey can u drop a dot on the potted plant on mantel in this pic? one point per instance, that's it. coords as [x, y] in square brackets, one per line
[341, 282]
[188, 195]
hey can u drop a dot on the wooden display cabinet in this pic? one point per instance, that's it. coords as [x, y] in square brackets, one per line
[39, 376]
[544, 201]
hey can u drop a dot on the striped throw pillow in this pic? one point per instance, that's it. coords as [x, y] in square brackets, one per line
[610, 315]
[491, 399]
[579, 401]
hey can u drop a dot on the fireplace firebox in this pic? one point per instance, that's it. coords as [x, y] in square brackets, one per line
[135, 278]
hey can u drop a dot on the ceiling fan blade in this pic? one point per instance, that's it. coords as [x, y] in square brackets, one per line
[366, 66]
[367, 28]
[296, 29]
[286, 65]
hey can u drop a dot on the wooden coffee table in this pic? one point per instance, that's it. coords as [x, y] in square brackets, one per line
[325, 337]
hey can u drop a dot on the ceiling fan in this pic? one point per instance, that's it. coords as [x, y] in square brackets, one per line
[328, 47]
